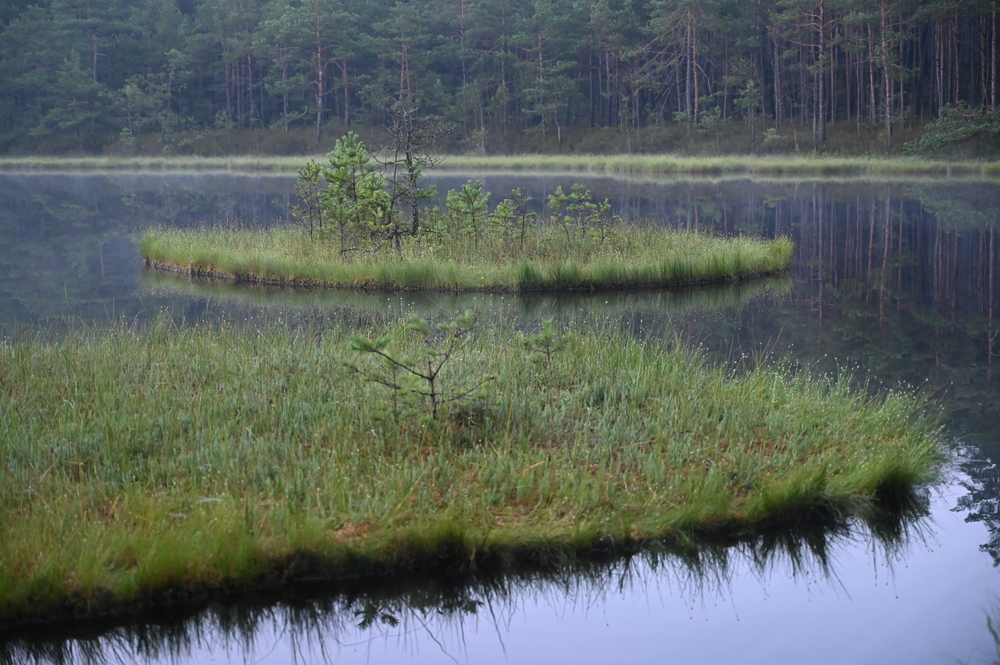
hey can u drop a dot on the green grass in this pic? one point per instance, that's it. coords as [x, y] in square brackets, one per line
[256, 164]
[670, 164]
[552, 260]
[783, 165]
[150, 466]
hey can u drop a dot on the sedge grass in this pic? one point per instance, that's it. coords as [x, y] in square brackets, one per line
[552, 259]
[768, 165]
[150, 466]
[783, 165]
[256, 164]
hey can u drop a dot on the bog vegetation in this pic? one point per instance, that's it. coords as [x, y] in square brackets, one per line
[353, 233]
[143, 466]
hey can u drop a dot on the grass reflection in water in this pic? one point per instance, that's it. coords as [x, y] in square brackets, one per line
[317, 621]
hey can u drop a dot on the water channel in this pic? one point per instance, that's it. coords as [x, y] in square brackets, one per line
[897, 281]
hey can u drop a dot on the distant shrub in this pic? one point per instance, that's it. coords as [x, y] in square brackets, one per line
[960, 131]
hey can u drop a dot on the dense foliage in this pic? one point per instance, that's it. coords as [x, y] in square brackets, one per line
[960, 130]
[89, 74]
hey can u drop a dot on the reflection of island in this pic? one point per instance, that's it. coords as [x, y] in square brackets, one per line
[319, 620]
[645, 311]
[66, 250]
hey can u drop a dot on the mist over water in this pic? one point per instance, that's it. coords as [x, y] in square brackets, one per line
[897, 282]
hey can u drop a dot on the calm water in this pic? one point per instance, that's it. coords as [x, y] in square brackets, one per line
[897, 281]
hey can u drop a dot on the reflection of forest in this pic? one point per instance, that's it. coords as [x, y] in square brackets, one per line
[319, 619]
[899, 277]
[66, 249]
[904, 283]
[910, 289]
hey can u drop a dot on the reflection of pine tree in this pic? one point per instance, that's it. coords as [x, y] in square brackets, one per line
[982, 503]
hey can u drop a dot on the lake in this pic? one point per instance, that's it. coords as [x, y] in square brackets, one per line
[897, 282]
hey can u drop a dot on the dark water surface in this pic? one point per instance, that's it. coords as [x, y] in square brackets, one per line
[897, 281]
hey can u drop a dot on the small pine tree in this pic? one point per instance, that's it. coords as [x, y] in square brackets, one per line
[470, 205]
[355, 197]
[309, 191]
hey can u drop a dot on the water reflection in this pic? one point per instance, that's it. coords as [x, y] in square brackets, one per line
[66, 248]
[647, 313]
[982, 501]
[896, 281]
[324, 621]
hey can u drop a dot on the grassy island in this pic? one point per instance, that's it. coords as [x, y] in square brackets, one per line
[551, 258]
[158, 465]
[353, 233]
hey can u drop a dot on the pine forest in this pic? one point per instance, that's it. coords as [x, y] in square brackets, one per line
[503, 75]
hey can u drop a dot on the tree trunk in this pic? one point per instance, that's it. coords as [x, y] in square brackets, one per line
[694, 68]
[229, 101]
[347, 96]
[777, 84]
[871, 74]
[250, 110]
[820, 78]
[689, 74]
[886, 80]
[320, 87]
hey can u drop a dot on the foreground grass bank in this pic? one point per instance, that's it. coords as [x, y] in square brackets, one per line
[155, 466]
[552, 259]
[736, 165]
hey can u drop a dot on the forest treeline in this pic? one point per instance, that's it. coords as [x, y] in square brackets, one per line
[93, 75]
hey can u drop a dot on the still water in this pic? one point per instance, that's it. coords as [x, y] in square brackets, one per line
[897, 282]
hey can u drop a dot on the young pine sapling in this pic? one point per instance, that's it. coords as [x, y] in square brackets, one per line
[543, 345]
[422, 375]
[470, 205]
[310, 192]
[355, 195]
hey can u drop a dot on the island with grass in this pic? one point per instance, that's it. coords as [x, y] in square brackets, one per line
[152, 465]
[553, 259]
[352, 233]
[155, 464]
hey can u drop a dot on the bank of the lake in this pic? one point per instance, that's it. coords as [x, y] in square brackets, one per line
[793, 165]
[550, 258]
[154, 466]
